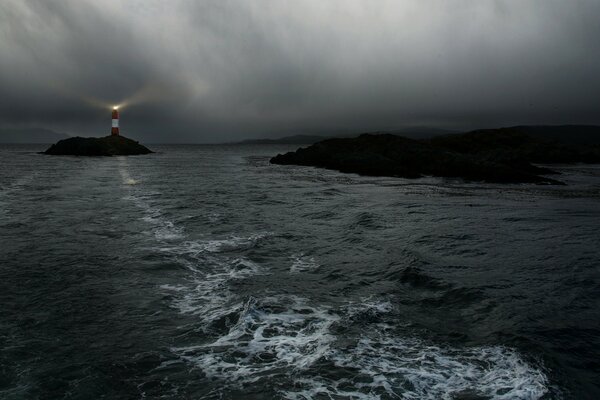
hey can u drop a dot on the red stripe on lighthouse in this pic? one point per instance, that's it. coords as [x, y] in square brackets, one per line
[115, 122]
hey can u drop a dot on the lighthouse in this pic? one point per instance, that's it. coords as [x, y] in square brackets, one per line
[115, 121]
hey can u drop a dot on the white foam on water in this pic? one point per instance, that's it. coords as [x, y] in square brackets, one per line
[200, 299]
[199, 248]
[368, 306]
[208, 294]
[285, 337]
[126, 178]
[383, 364]
[270, 336]
[163, 228]
[232, 243]
[214, 217]
[166, 230]
[409, 368]
[302, 263]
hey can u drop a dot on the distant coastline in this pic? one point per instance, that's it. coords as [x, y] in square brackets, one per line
[574, 134]
[413, 133]
[570, 134]
[30, 136]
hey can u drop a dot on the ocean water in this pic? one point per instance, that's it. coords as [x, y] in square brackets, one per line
[204, 272]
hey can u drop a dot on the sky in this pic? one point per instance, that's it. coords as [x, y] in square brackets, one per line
[188, 71]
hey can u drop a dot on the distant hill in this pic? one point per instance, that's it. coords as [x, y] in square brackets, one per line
[30, 135]
[422, 132]
[296, 139]
[413, 133]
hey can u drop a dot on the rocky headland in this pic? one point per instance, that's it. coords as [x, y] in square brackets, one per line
[496, 155]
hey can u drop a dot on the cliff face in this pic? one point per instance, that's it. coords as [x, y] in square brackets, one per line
[105, 146]
[390, 155]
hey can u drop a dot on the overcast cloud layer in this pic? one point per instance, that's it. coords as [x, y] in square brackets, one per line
[205, 71]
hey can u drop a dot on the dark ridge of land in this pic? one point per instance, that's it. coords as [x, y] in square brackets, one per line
[528, 144]
[30, 135]
[104, 146]
[497, 155]
[296, 139]
[567, 134]
[422, 132]
[414, 133]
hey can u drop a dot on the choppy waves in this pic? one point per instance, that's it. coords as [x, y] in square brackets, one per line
[302, 263]
[383, 364]
[283, 337]
[204, 272]
[18, 185]
[270, 336]
[357, 350]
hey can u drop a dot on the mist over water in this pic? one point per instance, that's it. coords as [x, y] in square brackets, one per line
[205, 272]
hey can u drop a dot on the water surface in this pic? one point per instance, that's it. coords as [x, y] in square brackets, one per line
[205, 272]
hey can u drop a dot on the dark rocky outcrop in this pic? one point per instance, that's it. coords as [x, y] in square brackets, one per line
[104, 146]
[456, 157]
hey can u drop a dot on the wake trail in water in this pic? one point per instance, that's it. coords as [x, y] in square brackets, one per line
[352, 351]
[206, 293]
[286, 337]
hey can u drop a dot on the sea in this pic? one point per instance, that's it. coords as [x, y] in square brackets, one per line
[205, 272]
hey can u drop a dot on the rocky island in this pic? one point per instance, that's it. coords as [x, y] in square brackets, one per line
[497, 155]
[113, 145]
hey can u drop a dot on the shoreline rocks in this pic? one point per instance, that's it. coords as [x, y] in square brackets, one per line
[396, 156]
[105, 146]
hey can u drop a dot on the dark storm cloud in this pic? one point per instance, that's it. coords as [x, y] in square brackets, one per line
[223, 70]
